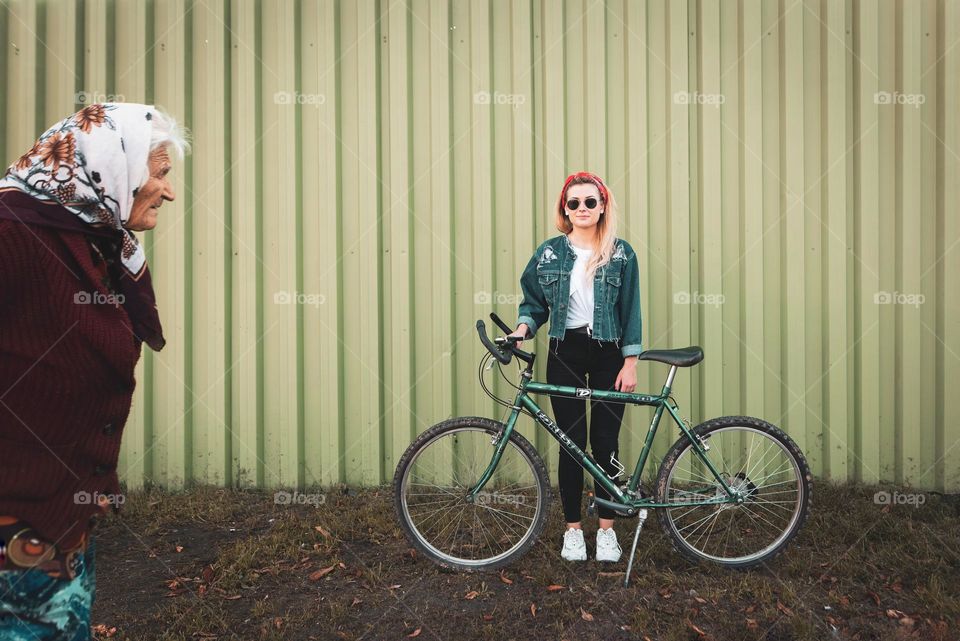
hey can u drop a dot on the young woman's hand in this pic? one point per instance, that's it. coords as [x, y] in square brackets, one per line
[521, 333]
[627, 378]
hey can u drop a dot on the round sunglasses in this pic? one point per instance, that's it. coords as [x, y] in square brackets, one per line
[574, 203]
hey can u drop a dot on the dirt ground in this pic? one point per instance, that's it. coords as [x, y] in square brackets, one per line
[228, 564]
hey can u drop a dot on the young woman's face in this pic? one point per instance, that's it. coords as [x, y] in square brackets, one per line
[581, 196]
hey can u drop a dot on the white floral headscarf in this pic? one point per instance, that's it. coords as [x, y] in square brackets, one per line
[91, 164]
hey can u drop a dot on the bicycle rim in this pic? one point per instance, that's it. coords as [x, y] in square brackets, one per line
[763, 469]
[504, 514]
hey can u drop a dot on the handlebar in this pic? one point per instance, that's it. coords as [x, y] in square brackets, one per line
[504, 356]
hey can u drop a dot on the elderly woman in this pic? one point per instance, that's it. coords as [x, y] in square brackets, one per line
[76, 303]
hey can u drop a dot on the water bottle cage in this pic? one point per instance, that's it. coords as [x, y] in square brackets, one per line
[618, 465]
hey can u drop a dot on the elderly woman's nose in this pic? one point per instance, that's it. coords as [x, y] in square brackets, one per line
[168, 193]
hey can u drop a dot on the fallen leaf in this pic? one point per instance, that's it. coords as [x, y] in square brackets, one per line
[533, 609]
[179, 548]
[875, 597]
[586, 616]
[699, 600]
[319, 528]
[207, 573]
[319, 574]
[488, 617]
[278, 623]
[472, 594]
[415, 632]
[104, 631]
[750, 608]
[751, 624]
[355, 601]
[232, 597]
[665, 592]
[504, 578]
[907, 621]
[554, 587]
[696, 629]
[784, 609]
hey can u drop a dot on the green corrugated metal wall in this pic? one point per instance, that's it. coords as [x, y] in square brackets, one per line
[389, 166]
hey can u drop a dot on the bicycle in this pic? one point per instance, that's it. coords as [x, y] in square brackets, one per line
[472, 494]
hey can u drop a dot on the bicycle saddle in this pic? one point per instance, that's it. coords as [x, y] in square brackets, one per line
[682, 357]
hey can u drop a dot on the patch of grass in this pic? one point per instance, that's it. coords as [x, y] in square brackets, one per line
[249, 568]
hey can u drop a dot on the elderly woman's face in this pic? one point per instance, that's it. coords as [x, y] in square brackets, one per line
[143, 214]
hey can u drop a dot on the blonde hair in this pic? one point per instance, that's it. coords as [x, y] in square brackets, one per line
[606, 230]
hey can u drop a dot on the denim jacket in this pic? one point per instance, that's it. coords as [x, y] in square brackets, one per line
[545, 284]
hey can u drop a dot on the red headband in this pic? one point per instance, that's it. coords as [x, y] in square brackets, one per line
[595, 179]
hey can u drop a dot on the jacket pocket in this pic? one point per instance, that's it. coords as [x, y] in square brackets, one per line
[613, 288]
[549, 283]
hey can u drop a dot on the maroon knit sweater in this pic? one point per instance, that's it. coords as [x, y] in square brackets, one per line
[67, 355]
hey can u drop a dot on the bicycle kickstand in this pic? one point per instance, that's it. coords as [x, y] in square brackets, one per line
[641, 517]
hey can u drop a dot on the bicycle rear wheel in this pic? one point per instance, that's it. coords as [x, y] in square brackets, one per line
[435, 474]
[755, 458]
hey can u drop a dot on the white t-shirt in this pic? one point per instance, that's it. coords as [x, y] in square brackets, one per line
[580, 310]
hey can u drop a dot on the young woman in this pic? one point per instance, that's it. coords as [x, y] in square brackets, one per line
[586, 281]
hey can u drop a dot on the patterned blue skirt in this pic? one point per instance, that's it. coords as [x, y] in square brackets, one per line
[35, 606]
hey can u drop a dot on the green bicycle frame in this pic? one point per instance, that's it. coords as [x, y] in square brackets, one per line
[620, 498]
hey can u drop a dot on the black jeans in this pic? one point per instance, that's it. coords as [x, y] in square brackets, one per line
[570, 362]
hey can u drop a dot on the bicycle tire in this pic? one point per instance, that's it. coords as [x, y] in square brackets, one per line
[704, 431]
[490, 427]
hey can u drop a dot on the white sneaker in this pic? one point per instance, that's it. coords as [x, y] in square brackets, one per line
[574, 549]
[607, 547]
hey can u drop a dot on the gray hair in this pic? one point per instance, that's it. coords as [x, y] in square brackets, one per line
[166, 131]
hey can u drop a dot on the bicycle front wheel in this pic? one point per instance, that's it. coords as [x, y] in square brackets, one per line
[756, 459]
[434, 476]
